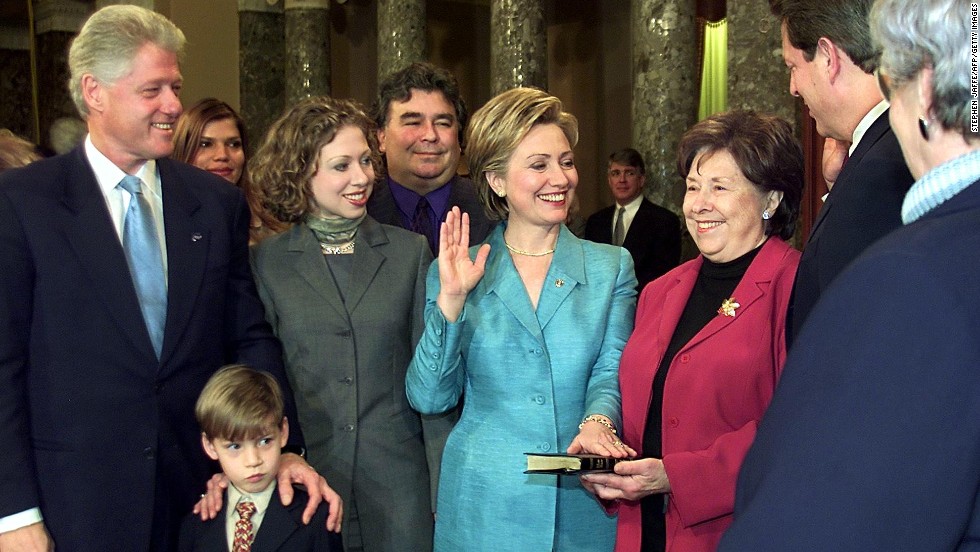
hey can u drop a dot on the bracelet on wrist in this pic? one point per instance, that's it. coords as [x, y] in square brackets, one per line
[599, 420]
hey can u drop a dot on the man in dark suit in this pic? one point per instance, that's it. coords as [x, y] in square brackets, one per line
[421, 119]
[827, 47]
[125, 285]
[651, 233]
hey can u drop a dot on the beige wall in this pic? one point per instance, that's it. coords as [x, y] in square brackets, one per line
[211, 65]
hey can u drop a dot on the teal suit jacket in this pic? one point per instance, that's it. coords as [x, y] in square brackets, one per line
[529, 378]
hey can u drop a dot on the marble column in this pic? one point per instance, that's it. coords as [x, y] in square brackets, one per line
[401, 34]
[56, 22]
[757, 76]
[519, 47]
[17, 107]
[665, 94]
[307, 49]
[262, 46]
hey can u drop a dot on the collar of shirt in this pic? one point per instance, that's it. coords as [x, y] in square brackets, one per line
[261, 501]
[629, 214]
[108, 175]
[940, 184]
[865, 124]
[407, 199]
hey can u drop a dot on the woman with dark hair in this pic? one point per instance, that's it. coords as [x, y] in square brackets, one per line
[210, 135]
[345, 294]
[709, 342]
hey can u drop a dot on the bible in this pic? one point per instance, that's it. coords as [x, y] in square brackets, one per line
[569, 464]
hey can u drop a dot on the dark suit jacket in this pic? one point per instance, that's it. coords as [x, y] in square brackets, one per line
[462, 194]
[653, 240]
[92, 424]
[282, 529]
[872, 441]
[865, 204]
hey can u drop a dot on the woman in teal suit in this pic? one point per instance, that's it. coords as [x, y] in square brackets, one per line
[531, 330]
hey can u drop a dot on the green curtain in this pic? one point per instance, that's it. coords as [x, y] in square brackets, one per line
[714, 70]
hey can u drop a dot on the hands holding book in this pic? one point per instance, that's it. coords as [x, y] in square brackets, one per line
[632, 480]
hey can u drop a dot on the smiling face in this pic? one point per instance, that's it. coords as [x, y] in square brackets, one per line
[220, 150]
[250, 464]
[805, 82]
[541, 178]
[421, 141]
[723, 209]
[344, 175]
[132, 120]
[625, 182]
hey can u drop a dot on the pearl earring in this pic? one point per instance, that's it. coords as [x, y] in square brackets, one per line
[766, 215]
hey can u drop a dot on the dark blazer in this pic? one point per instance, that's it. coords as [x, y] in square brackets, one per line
[346, 356]
[864, 205]
[92, 424]
[718, 386]
[462, 193]
[872, 441]
[282, 529]
[653, 240]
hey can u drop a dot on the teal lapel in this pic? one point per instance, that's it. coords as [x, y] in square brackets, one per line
[566, 272]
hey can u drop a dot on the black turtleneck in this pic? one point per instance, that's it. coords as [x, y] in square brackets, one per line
[715, 283]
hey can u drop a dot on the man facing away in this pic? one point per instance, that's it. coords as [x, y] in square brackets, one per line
[125, 285]
[421, 119]
[827, 48]
[651, 233]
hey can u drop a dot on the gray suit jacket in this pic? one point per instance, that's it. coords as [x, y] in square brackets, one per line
[346, 363]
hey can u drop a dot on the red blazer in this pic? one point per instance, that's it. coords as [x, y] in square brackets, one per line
[718, 387]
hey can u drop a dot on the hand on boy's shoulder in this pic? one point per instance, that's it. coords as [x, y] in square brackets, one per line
[312, 537]
[319, 539]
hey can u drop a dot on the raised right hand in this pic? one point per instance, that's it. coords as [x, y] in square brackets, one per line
[458, 274]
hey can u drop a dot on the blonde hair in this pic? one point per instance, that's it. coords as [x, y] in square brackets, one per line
[238, 403]
[498, 127]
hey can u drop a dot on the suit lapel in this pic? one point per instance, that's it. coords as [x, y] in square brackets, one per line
[381, 205]
[566, 272]
[676, 301]
[277, 525]
[213, 535]
[749, 290]
[89, 230]
[310, 264]
[367, 260]
[874, 133]
[503, 281]
[188, 243]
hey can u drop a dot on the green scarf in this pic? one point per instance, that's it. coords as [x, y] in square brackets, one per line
[333, 231]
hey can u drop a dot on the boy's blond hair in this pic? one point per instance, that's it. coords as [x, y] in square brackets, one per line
[238, 403]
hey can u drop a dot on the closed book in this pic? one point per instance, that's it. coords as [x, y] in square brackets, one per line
[569, 464]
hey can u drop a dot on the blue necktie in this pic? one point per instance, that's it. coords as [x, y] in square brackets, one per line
[142, 246]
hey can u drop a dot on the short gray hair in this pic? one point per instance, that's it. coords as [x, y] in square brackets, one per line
[108, 43]
[921, 33]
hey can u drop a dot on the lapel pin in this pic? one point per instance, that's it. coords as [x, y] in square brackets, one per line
[728, 307]
[559, 282]
[196, 236]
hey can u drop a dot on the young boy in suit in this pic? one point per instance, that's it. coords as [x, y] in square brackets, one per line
[243, 427]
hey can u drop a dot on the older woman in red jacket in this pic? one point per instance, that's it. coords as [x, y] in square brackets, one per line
[708, 346]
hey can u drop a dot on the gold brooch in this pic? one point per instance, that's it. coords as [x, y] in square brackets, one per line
[728, 307]
[559, 282]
